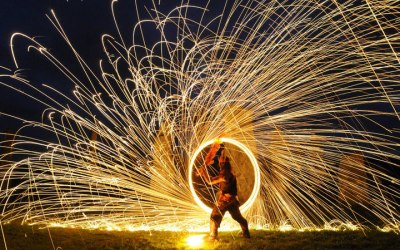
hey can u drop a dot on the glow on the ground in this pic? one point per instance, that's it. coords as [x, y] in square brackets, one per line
[254, 163]
[285, 228]
[195, 240]
[389, 228]
[198, 226]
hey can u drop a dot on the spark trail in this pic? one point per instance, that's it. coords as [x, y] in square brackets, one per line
[300, 84]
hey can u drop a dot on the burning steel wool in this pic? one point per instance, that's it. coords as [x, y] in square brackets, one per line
[294, 86]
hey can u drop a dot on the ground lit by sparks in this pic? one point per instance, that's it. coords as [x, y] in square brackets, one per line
[196, 226]
[195, 240]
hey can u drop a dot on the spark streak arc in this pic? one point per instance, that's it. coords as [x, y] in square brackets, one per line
[309, 90]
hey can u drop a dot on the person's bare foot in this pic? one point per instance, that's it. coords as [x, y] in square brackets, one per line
[245, 234]
[211, 239]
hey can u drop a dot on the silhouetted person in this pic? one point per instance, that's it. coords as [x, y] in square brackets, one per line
[228, 200]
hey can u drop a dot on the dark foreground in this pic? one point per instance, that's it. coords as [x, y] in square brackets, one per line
[27, 237]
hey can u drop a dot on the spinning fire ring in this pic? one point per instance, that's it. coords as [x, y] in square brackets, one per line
[256, 188]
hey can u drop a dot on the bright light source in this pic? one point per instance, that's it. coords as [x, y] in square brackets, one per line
[195, 240]
[256, 170]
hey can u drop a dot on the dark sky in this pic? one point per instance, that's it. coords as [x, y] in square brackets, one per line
[84, 21]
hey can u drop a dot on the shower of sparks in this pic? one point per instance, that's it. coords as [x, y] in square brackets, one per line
[298, 82]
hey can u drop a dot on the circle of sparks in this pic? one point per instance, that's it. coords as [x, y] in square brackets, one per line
[256, 169]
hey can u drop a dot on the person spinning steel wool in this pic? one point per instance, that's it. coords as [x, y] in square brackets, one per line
[228, 200]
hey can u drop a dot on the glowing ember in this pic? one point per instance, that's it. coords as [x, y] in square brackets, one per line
[195, 240]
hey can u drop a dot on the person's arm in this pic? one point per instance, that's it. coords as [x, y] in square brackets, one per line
[210, 180]
[214, 180]
[211, 154]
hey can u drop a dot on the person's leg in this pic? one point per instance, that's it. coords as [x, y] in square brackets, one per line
[215, 221]
[213, 230]
[237, 216]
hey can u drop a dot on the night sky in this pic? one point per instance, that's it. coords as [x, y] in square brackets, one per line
[84, 21]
